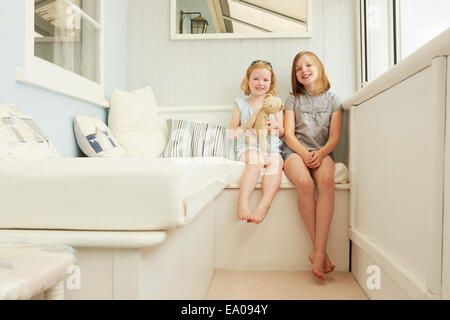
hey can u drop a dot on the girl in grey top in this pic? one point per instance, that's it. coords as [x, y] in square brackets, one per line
[312, 123]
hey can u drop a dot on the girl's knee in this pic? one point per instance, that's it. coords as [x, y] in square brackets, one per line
[275, 166]
[277, 162]
[304, 184]
[325, 182]
[255, 158]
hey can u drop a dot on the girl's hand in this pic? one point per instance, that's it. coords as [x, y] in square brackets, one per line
[305, 157]
[314, 159]
[272, 124]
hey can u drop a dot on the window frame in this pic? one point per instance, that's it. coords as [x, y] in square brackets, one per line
[44, 74]
[361, 34]
[395, 8]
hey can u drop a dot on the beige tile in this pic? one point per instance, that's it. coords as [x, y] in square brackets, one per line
[275, 285]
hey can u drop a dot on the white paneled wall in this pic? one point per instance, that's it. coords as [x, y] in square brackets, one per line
[209, 72]
[399, 176]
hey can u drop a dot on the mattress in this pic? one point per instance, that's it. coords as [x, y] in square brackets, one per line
[107, 193]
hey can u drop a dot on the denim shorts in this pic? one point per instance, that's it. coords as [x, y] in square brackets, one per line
[286, 152]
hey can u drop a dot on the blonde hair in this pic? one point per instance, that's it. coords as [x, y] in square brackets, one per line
[323, 83]
[259, 65]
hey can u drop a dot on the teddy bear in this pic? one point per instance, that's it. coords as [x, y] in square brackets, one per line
[258, 121]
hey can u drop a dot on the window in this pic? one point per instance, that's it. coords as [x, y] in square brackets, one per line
[390, 30]
[420, 21]
[377, 31]
[64, 50]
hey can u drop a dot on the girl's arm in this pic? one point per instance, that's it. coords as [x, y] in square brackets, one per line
[289, 135]
[334, 133]
[333, 140]
[235, 129]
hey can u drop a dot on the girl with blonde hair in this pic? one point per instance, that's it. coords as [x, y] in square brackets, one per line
[258, 81]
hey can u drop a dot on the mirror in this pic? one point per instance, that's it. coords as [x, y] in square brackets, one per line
[239, 19]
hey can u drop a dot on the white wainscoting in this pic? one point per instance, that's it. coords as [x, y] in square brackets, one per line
[398, 171]
[446, 229]
[398, 157]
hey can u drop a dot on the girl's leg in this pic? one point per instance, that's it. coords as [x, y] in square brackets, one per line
[324, 177]
[298, 173]
[255, 163]
[271, 184]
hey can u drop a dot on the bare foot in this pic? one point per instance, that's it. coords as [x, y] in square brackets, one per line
[244, 214]
[329, 266]
[260, 212]
[319, 264]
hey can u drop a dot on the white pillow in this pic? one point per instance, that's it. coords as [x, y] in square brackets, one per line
[21, 138]
[95, 139]
[340, 173]
[133, 118]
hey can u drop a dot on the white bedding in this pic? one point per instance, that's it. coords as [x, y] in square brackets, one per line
[107, 194]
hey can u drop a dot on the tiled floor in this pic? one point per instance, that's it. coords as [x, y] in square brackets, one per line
[275, 285]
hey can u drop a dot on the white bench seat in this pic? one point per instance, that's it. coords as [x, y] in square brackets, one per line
[87, 239]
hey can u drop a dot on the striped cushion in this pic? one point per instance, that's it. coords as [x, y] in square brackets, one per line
[197, 139]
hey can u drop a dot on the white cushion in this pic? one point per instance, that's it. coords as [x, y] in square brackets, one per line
[340, 173]
[134, 121]
[21, 138]
[95, 139]
[107, 193]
